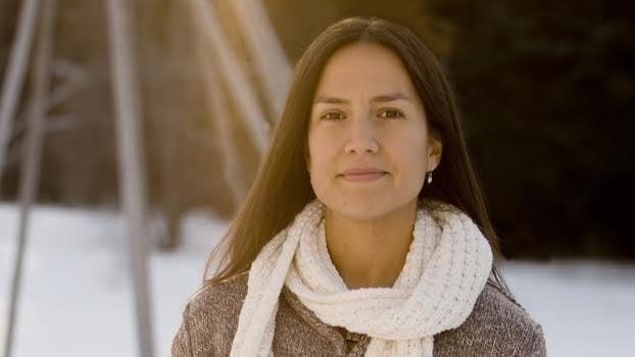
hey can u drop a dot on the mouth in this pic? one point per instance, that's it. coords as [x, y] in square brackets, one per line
[362, 175]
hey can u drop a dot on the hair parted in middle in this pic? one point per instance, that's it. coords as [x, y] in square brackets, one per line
[282, 186]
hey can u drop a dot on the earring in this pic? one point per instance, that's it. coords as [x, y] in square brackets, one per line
[429, 177]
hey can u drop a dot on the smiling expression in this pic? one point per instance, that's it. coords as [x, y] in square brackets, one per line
[369, 145]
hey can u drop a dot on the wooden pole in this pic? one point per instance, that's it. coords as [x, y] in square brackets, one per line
[265, 49]
[32, 155]
[14, 78]
[229, 69]
[131, 163]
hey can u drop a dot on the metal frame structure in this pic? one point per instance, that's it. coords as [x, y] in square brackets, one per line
[131, 168]
[272, 69]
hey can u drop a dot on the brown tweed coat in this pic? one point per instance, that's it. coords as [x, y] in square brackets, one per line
[498, 326]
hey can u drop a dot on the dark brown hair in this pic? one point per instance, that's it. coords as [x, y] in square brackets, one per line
[282, 187]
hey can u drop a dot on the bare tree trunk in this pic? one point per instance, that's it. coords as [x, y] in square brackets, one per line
[161, 79]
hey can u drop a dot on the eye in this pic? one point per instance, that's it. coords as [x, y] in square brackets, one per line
[390, 113]
[333, 115]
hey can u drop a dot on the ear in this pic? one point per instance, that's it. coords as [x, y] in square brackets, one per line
[435, 149]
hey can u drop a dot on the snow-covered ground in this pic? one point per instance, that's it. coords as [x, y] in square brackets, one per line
[77, 296]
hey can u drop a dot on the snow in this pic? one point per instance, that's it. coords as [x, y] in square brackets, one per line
[77, 298]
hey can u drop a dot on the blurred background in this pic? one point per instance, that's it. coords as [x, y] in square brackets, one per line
[546, 93]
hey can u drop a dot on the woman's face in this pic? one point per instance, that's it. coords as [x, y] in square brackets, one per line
[369, 145]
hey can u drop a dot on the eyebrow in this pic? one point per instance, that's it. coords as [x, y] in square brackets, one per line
[379, 98]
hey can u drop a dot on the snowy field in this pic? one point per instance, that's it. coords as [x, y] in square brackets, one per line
[77, 296]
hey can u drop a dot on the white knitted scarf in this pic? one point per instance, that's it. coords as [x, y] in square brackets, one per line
[446, 268]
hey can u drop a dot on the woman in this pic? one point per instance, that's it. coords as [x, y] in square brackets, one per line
[365, 232]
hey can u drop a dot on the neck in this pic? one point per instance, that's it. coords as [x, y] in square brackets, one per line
[370, 253]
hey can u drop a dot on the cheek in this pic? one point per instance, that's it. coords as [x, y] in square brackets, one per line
[322, 162]
[412, 157]
[311, 154]
[319, 171]
[415, 164]
[320, 150]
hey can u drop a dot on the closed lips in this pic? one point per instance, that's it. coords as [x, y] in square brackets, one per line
[360, 175]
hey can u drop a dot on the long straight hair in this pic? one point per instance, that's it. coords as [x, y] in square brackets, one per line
[282, 186]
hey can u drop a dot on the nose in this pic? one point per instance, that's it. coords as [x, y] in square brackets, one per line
[362, 136]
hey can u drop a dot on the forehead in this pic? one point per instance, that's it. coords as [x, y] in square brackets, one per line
[364, 68]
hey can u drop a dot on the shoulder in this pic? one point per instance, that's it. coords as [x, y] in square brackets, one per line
[210, 318]
[226, 295]
[498, 326]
